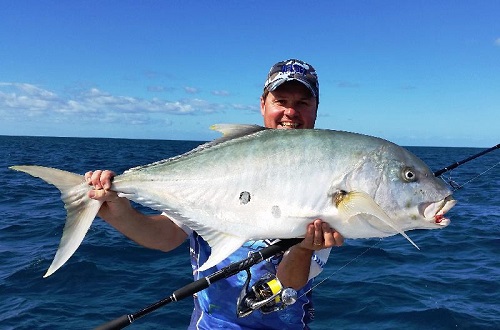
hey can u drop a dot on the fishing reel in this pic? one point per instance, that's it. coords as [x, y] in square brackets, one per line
[267, 295]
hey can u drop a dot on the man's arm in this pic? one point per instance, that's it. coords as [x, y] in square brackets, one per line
[152, 231]
[293, 270]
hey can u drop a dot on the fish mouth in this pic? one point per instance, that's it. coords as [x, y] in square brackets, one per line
[435, 211]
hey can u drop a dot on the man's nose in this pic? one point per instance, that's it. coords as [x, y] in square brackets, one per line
[291, 111]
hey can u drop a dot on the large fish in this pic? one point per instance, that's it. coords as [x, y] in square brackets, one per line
[256, 183]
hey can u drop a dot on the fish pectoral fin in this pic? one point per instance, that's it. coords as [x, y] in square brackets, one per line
[358, 202]
[222, 246]
[80, 209]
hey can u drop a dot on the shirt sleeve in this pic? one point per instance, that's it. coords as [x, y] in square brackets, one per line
[318, 262]
[182, 226]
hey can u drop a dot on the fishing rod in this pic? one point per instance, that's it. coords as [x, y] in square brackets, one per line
[203, 283]
[457, 164]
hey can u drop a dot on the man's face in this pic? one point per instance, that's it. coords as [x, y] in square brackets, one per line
[290, 106]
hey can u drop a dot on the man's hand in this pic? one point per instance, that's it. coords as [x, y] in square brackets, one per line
[321, 236]
[101, 181]
[152, 231]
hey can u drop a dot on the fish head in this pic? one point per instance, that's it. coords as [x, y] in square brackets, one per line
[404, 187]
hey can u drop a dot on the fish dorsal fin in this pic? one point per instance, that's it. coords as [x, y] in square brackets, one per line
[229, 131]
[233, 131]
[358, 202]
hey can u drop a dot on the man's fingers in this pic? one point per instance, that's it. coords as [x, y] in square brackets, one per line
[100, 179]
[325, 236]
[328, 235]
[103, 195]
[88, 175]
[106, 178]
[95, 179]
[318, 233]
[339, 239]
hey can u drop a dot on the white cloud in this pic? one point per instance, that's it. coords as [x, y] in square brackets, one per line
[160, 89]
[191, 90]
[347, 84]
[220, 93]
[21, 101]
[246, 108]
[497, 42]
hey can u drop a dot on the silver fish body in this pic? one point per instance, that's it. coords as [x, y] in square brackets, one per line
[257, 183]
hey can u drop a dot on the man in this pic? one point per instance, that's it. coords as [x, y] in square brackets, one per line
[290, 101]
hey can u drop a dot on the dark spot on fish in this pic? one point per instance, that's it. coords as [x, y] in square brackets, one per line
[244, 197]
[276, 211]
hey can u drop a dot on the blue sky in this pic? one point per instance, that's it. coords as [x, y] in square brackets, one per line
[423, 73]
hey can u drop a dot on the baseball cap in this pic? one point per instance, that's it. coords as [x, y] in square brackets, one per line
[289, 70]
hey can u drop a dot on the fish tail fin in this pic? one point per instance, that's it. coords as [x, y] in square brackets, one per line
[80, 209]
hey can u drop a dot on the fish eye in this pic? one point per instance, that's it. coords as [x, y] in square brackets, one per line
[409, 174]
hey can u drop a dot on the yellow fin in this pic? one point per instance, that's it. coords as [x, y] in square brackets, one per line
[358, 202]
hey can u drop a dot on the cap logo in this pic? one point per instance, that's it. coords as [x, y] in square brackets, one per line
[294, 68]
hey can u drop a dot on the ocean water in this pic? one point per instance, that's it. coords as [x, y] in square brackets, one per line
[453, 282]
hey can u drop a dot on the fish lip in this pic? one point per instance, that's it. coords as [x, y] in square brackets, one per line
[435, 211]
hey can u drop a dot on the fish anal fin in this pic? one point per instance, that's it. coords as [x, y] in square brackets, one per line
[222, 245]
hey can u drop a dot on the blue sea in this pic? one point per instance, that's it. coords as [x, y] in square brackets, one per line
[453, 282]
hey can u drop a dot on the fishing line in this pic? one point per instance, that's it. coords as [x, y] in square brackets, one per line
[342, 267]
[456, 186]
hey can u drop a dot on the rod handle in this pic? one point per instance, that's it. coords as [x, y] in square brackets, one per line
[118, 323]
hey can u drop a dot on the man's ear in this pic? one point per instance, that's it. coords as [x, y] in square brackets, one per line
[262, 105]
